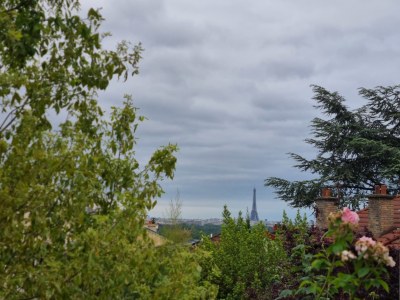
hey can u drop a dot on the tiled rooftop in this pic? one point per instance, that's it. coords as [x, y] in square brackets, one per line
[391, 239]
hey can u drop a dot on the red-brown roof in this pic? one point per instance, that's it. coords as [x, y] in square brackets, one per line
[391, 239]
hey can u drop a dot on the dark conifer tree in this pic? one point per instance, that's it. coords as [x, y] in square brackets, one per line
[356, 149]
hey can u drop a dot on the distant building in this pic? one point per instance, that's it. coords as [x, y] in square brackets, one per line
[152, 233]
[151, 225]
[201, 222]
[254, 214]
[215, 238]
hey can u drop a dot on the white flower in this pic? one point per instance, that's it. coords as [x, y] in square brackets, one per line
[346, 255]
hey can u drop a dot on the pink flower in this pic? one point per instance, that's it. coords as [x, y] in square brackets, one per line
[349, 216]
[363, 244]
[368, 248]
[367, 240]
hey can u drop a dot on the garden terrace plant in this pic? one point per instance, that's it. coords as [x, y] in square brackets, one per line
[349, 268]
[246, 263]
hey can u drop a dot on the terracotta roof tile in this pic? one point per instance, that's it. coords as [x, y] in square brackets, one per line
[391, 239]
[363, 214]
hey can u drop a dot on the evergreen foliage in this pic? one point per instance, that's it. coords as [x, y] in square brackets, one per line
[356, 149]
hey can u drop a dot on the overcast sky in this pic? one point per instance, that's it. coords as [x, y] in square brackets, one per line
[229, 82]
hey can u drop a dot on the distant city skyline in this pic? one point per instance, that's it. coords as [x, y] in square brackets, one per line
[206, 209]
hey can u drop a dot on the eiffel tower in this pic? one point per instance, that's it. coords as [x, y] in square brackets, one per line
[254, 214]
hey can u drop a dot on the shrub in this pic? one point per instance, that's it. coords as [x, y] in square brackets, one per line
[245, 264]
[346, 268]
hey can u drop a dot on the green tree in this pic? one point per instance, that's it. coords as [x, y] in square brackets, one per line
[245, 264]
[299, 241]
[356, 149]
[73, 196]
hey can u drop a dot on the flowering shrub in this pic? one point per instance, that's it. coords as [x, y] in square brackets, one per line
[368, 248]
[345, 268]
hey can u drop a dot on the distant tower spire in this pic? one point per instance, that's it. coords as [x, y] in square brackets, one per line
[254, 214]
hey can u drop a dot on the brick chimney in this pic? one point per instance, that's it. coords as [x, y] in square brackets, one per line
[380, 211]
[326, 204]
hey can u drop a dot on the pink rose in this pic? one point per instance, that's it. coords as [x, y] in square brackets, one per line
[349, 216]
[367, 240]
[363, 244]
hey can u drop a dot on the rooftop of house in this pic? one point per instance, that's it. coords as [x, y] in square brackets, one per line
[392, 238]
[151, 225]
[381, 217]
[158, 240]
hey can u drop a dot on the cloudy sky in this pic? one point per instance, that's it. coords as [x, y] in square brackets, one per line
[229, 82]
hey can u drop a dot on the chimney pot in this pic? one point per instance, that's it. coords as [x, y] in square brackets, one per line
[325, 205]
[380, 189]
[326, 192]
[383, 189]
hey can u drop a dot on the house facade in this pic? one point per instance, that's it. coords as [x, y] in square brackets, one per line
[381, 217]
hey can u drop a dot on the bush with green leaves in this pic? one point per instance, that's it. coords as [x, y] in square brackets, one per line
[293, 232]
[245, 263]
[346, 268]
[300, 241]
[73, 196]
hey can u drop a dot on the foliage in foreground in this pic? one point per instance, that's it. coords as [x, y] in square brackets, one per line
[74, 198]
[345, 270]
[357, 149]
[246, 263]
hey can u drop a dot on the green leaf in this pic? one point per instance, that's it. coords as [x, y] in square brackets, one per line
[362, 271]
[338, 246]
[286, 293]
[318, 263]
[384, 285]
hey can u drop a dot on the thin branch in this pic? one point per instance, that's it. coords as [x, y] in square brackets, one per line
[15, 111]
[356, 187]
[6, 118]
[9, 123]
